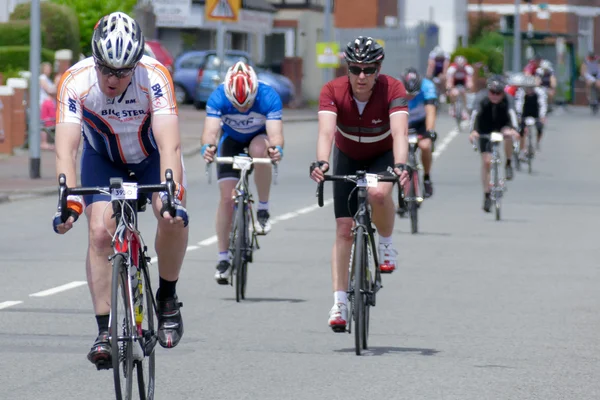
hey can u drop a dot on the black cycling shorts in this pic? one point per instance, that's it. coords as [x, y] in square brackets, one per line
[485, 145]
[418, 126]
[229, 148]
[538, 124]
[344, 165]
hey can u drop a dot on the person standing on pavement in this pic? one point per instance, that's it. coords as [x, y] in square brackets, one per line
[249, 112]
[124, 105]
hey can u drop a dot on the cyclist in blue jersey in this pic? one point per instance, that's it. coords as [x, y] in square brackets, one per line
[422, 115]
[249, 114]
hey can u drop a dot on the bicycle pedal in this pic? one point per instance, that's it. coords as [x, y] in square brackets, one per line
[338, 328]
[150, 340]
[103, 364]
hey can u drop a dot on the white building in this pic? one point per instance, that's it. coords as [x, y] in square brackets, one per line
[450, 15]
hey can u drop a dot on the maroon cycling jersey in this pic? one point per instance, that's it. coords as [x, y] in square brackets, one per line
[366, 136]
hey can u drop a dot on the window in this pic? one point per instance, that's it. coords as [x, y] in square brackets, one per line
[586, 35]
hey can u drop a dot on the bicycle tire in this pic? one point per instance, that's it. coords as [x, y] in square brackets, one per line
[119, 279]
[413, 208]
[458, 110]
[358, 298]
[495, 189]
[239, 249]
[369, 285]
[530, 153]
[146, 386]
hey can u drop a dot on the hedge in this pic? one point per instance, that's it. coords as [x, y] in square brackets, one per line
[17, 57]
[493, 60]
[60, 26]
[15, 33]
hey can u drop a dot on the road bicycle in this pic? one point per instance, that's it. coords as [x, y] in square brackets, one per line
[133, 333]
[364, 276]
[243, 239]
[413, 198]
[530, 127]
[497, 181]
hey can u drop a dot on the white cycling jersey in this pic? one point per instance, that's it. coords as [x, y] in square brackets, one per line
[121, 127]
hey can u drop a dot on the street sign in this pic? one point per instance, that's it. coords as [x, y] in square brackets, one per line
[543, 11]
[381, 42]
[327, 55]
[222, 10]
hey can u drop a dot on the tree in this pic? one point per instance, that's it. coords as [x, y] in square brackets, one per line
[90, 11]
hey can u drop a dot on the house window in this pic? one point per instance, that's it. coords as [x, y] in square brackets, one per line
[586, 35]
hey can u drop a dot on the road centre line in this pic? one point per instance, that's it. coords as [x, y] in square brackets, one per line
[213, 239]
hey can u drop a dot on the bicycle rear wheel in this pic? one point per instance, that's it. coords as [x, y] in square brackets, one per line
[121, 329]
[496, 189]
[239, 257]
[146, 368]
[530, 152]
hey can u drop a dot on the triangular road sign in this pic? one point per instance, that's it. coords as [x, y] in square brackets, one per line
[222, 9]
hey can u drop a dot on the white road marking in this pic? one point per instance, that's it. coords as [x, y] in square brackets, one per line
[7, 304]
[58, 289]
[439, 149]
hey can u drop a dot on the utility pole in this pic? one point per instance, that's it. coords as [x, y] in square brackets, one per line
[517, 38]
[35, 48]
[327, 36]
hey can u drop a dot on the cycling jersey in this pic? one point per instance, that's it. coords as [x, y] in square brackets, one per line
[460, 74]
[531, 67]
[363, 135]
[242, 127]
[439, 62]
[592, 67]
[488, 117]
[416, 106]
[117, 128]
[533, 104]
[545, 77]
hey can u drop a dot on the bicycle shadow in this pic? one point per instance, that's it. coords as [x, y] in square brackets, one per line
[267, 300]
[383, 350]
[408, 233]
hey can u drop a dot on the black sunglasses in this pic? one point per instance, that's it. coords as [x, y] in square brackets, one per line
[356, 70]
[118, 73]
[496, 92]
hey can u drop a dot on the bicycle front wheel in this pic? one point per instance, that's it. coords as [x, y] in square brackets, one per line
[496, 189]
[359, 306]
[413, 207]
[121, 329]
[146, 367]
[239, 259]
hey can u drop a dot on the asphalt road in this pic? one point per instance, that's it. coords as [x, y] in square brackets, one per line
[478, 309]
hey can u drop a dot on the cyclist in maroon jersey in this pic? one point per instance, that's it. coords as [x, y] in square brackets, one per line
[367, 114]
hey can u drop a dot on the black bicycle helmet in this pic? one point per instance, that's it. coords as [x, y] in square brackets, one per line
[496, 83]
[412, 81]
[364, 50]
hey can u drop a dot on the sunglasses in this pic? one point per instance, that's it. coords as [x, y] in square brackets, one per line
[118, 73]
[496, 92]
[355, 70]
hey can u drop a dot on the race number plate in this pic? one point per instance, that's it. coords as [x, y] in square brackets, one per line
[369, 181]
[413, 139]
[240, 162]
[127, 192]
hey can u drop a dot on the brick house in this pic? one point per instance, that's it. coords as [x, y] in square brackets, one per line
[578, 18]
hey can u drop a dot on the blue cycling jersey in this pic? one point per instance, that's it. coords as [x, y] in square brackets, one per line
[416, 106]
[242, 127]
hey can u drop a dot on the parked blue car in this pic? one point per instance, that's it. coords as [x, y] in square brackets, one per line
[196, 76]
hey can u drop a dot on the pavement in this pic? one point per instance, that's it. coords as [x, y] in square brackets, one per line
[16, 184]
[478, 309]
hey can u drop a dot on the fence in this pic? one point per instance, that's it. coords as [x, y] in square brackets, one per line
[404, 47]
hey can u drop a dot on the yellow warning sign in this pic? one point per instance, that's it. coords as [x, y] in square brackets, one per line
[222, 10]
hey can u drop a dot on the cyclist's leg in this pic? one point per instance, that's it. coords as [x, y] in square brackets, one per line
[508, 151]
[342, 165]
[227, 178]
[523, 135]
[96, 170]
[382, 206]
[486, 159]
[425, 145]
[540, 130]
[262, 177]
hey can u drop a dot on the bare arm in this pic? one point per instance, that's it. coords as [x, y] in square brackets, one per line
[327, 124]
[212, 127]
[430, 64]
[165, 128]
[275, 132]
[399, 127]
[67, 139]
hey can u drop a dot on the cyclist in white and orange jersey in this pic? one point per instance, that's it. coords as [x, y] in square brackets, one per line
[123, 104]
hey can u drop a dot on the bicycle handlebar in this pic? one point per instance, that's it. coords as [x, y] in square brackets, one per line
[115, 183]
[349, 178]
[230, 160]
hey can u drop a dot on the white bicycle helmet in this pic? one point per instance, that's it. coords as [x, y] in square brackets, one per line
[546, 65]
[241, 84]
[118, 41]
[438, 51]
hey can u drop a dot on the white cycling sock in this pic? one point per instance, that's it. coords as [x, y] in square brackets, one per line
[385, 240]
[223, 256]
[340, 297]
[263, 205]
